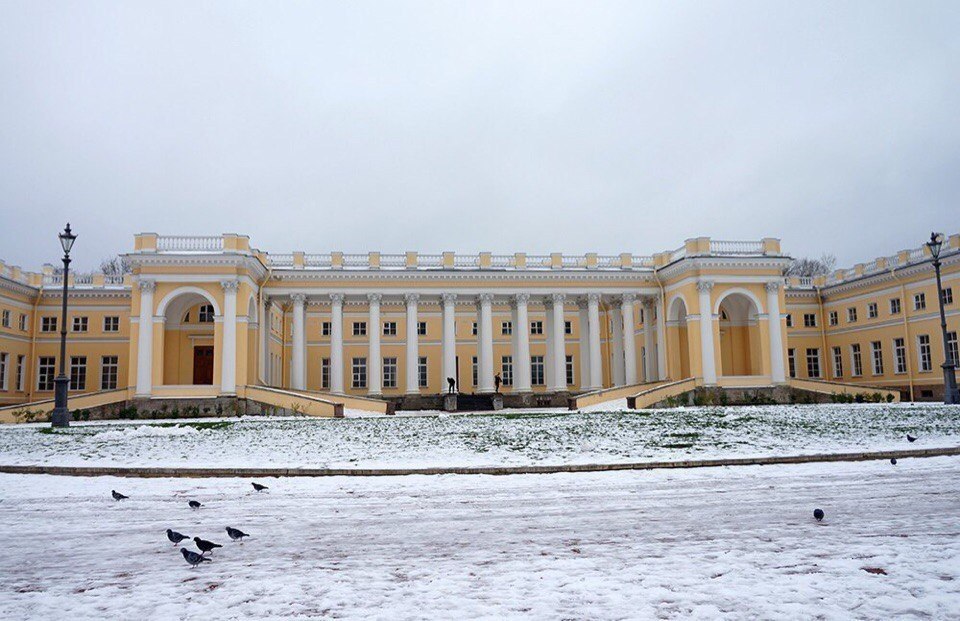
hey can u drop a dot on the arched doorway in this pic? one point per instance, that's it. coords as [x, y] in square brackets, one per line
[679, 342]
[740, 352]
[189, 338]
[253, 342]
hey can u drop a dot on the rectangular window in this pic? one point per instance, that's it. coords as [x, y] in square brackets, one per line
[876, 352]
[474, 329]
[5, 320]
[325, 373]
[390, 328]
[900, 355]
[789, 320]
[80, 324]
[926, 355]
[20, 373]
[947, 296]
[506, 328]
[111, 324]
[506, 370]
[857, 359]
[78, 373]
[570, 371]
[46, 372]
[792, 362]
[326, 328]
[206, 314]
[475, 371]
[536, 370]
[48, 324]
[422, 372]
[952, 347]
[833, 318]
[920, 301]
[872, 310]
[852, 314]
[813, 362]
[359, 328]
[421, 328]
[567, 327]
[359, 373]
[837, 362]
[389, 372]
[4, 357]
[23, 322]
[109, 370]
[536, 327]
[894, 306]
[809, 320]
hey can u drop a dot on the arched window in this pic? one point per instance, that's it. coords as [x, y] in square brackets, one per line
[206, 313]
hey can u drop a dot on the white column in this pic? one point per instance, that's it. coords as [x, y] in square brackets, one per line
[228, 361]
[413, 345]
[584, 321]
[661, 337]
[145, 339]
[593, 320]
[263, 325]
[336, 342]
[629, 341]
[486, 342]
[559, 344]
[374, 372]
[521, 354]
[706, 333]
[449, 344]
[616, 348]
[298, 371]
[649, 340]
[548, 365]
[777, 372]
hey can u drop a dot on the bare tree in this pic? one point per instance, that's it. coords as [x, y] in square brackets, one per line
[115, 266]
[807, 266]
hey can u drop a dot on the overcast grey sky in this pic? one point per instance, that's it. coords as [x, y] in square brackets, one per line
[536, 126]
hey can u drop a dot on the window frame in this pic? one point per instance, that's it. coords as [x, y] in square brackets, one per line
[109, 370]
[358, 372]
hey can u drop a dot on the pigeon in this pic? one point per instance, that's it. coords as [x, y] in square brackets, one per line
[893, 460]
[192, 557]
[194, 504]
[206, 546]
[818, 513]
[175, 537]
[259, 487]
[911, 438]
[236, 534]
[117, 495]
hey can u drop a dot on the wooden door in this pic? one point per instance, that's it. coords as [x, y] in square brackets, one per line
[203, 364]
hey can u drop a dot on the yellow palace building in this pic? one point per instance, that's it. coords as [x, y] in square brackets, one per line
[211, 317]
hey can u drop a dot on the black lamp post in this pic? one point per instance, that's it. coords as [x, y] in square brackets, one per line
[60, 417]
[950, 394]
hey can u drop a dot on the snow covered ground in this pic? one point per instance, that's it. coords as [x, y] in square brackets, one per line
[506, 438]
[735, 543]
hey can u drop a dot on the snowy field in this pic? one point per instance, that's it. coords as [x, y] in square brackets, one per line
[511, 438]
[718, 543]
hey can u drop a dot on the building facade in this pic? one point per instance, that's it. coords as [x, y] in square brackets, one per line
[207, 316]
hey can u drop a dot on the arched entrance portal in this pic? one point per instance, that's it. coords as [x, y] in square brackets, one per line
[678, 339]
[189, 339]
[740, 345]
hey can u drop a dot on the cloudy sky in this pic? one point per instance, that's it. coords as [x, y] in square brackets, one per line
[536, 126]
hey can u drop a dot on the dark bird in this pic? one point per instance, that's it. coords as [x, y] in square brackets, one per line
[236, 534]
[893, 460]
[192, 557]
[259, 487]
[911, 438]
[206, 546]
[818, 513]
[117, 495]
[194, 504]
[175, 537]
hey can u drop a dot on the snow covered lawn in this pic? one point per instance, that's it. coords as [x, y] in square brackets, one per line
[708, 543]
[512, 438]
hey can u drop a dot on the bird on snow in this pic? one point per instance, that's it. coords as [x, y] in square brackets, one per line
[117, 495]
[818, 513]
[192, 557]
[206, 546]
[259, 487]
[175, 537]
[194, 504]
[911, 438]
[236, 534]
[893, 460]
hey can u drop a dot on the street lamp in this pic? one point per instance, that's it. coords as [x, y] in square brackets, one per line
[60, 417]
[950, 394]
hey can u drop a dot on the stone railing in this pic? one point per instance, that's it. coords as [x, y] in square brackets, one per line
[189, 243]
[722, 247]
